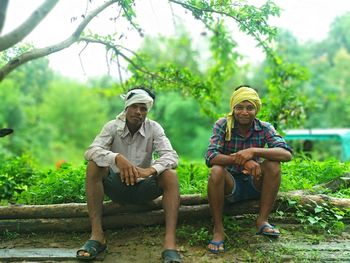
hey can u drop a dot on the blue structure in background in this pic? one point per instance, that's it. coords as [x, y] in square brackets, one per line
[341, 135]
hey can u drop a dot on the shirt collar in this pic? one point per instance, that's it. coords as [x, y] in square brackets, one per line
[257, 125]
[123, 130]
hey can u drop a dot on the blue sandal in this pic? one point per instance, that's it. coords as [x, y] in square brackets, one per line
[266, 233]
[220, 245]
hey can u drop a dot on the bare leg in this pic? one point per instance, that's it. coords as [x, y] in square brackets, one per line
[269, 188]
[94, 195]
[220, 183]
[171, 201]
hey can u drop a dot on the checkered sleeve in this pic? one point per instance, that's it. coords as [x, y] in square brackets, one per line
[273, 139]
[217, 141]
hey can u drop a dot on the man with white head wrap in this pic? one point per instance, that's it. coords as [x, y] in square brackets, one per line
[235, 152]
[121, 165]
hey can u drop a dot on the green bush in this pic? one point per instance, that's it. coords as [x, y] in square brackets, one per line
[303, 173]
[16, 174]
[63, 185]
[20, 182]
[193, 177]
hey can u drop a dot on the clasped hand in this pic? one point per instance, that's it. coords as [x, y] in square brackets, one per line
[245, 158]
[130, 173]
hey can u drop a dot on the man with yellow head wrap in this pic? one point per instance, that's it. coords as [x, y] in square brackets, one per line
[244, 155]
[121, 165]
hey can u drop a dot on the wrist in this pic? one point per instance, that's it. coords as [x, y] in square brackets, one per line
[152, 171]
[116, 158]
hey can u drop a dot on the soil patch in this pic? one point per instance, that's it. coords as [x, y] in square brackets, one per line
[144, 244]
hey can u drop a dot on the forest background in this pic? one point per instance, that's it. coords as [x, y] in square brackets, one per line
[55, 118]
[303, 84]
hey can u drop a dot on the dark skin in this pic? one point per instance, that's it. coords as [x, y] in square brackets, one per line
[135, 116]
[266, 175]
[167, 181]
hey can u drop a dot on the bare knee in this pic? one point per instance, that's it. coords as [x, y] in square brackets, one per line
[217, 174]
[168, 180]
[93, 171]
[272, 168]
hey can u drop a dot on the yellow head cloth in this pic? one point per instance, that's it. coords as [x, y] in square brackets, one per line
[242, 94]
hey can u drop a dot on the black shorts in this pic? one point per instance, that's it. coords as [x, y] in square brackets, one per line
[141, 192]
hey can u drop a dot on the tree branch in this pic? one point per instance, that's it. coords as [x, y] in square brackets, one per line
[27, 26]
[118, 52]
[260, 41]
[38, 53]
[3, 8]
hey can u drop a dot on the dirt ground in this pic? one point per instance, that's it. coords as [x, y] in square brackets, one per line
[144, 244]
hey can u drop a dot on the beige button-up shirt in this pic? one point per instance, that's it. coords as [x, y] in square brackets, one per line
[140, 149]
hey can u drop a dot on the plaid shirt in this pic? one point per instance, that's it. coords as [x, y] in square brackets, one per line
[260, 134]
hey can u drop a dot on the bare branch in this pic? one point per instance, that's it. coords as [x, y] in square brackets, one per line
[80, 60]
[38, 53]
[115, 48]
[27, 26]
[118, 52]
[3, 9]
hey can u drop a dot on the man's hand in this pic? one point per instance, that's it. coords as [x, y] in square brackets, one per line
[253, 168]
[243, 156]
[128, 172]
[146, 172]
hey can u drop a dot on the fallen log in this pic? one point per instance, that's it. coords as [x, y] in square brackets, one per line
[77, 210]
[193, 207]
[72, 210]
[145, 218]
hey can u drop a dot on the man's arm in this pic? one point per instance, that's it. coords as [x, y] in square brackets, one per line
[168, 158]
[100, 149]
[273, 154]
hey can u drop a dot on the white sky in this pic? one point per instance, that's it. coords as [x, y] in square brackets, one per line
[306, 19]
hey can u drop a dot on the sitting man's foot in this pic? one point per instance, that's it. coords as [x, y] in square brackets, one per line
[171, 256]
[217, 244]
[91, 249]
[267, 229]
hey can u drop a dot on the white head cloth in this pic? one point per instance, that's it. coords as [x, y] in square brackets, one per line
[135, 96]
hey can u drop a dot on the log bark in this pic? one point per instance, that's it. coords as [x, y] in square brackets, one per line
[74, 217]
[72, 210]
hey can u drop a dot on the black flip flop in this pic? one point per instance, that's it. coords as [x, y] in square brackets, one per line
[5, 131]
[171, 255]
[93, 247]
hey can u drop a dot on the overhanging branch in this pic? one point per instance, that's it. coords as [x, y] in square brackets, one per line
[38, 53]
[3, 10]
[27, 26]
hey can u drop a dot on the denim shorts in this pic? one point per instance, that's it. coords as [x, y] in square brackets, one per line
[141, 192]
[243, 189]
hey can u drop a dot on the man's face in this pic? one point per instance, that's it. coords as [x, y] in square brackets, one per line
[136, 113]
[244, 113]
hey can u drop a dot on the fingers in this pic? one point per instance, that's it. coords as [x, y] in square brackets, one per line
[253, 168]
[129, 175]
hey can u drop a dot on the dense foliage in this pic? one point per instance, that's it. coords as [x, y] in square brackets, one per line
[25, 183]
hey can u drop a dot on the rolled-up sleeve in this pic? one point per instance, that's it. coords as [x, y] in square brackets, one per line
[217, 141]
[100, 149]
[168, 158]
